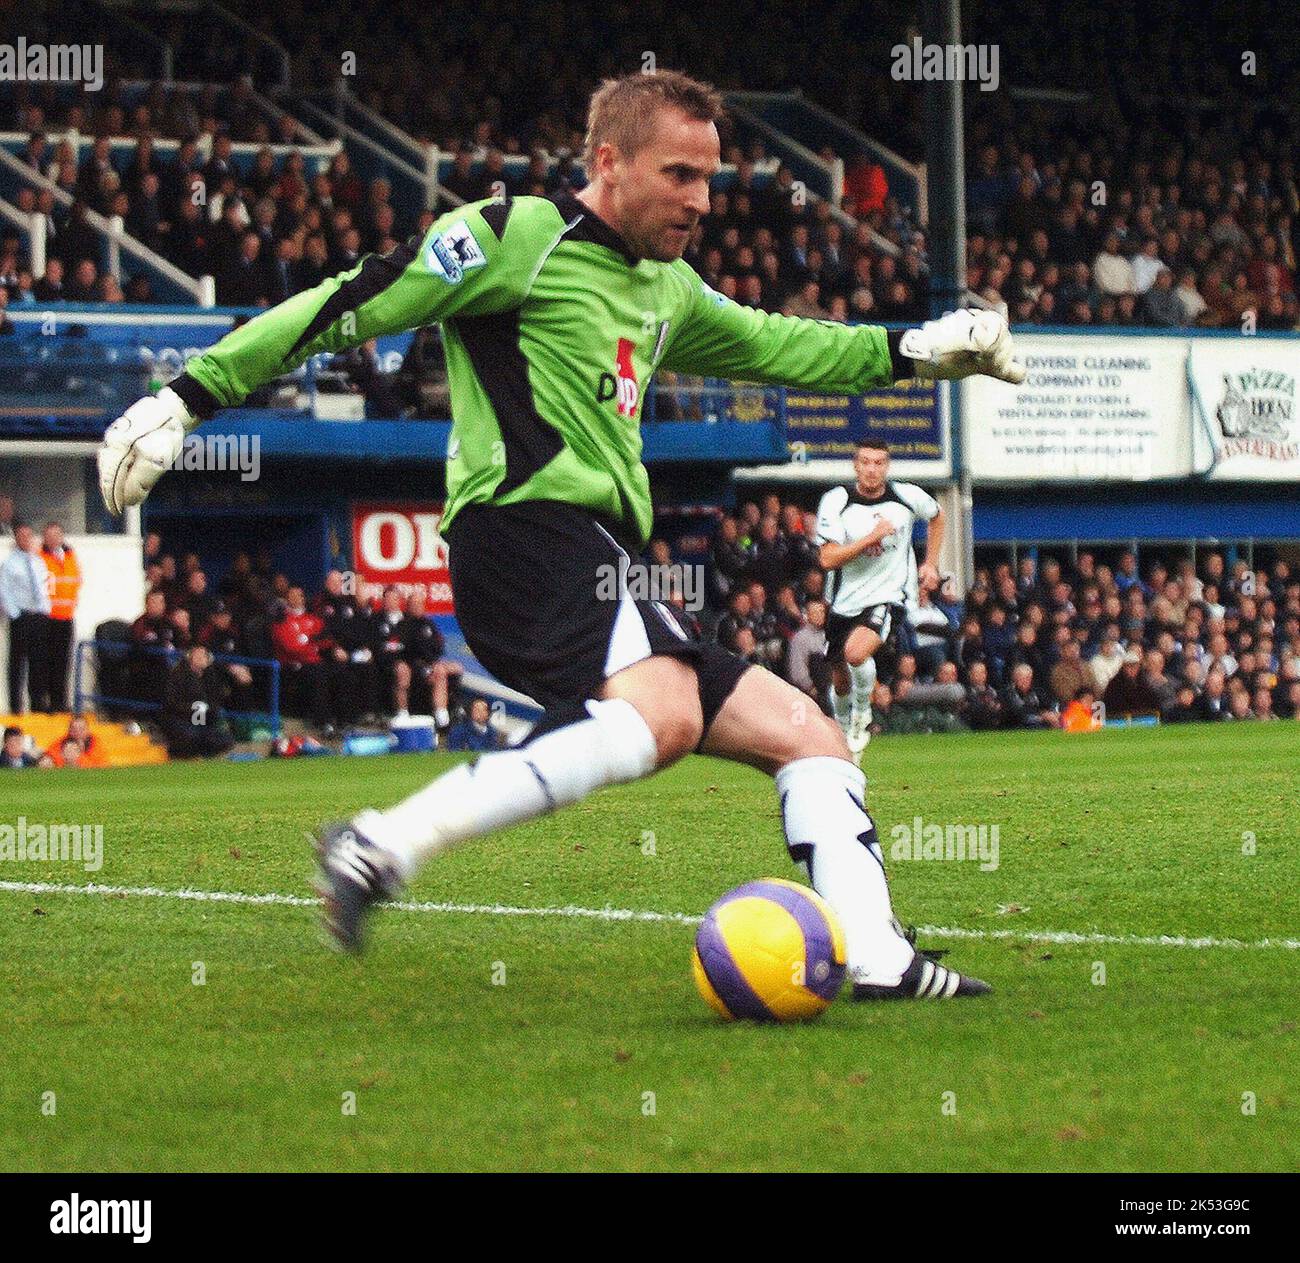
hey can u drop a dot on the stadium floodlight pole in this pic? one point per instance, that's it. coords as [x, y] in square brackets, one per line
[946, 236]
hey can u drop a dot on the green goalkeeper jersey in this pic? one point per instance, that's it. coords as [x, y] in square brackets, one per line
[553, 330]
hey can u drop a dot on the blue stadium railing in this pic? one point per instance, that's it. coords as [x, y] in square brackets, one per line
[122, 651]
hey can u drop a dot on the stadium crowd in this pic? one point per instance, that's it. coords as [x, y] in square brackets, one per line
[1179, 242]
[1040, 644]
[1080, 214]
[354, 653]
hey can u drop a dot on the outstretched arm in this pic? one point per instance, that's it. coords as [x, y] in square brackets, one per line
[460, 267]
[722, 338]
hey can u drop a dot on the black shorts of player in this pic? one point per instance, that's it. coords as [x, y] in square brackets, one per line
[536, 590]
[882, 619]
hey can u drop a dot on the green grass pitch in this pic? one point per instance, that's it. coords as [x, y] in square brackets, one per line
[489, 1039]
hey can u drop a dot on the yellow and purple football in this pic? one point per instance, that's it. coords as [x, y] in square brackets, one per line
[769, 951]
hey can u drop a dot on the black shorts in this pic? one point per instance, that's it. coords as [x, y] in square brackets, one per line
[536, 592]
[882, 619]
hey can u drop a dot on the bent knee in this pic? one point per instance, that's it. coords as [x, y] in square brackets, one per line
[820, 736]
[677, 731]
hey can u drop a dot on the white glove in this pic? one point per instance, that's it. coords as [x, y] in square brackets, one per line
[140, 445]
[960, 344]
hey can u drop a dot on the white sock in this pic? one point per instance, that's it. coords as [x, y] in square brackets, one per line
[441, 718]
[508, 787]
[828, 830]
[864, 684]
[842, 705]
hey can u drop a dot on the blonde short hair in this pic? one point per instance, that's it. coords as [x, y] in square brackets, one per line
[622, 111]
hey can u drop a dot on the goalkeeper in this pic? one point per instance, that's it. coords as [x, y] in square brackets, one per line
[556, 312]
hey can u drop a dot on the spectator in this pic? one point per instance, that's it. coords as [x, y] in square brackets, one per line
[767, 634]
[24, 596]
[196, 600]
[1025, 648]
[78, 747]
[311, 680]
[1022, 707]
[65, 587]
[983, 707]
[1239, 705]
[475, 733]
[393, 668]
[1162, 687]
[999, 640]
[219, 635]
[349, 626]
[806, 656]
[769, 564]
[1161, 305]
[152, 633]
[801, 552]
[1112, 272]
[731, 557]
[737, 618]
[422, 651]
[1263, 703]
[1071, 675]
[929, 632]
[1147, 266]
[84, 287]
[1182, 709]
[1192, 305]
[245, 281]
[1128, 693]
[12, 753]
[192, 717]
[1080, 715]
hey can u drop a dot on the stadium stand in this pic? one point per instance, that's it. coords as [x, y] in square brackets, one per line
[1096, 210]
[1088, 204]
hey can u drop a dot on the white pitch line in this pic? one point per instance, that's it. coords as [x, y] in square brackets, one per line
[1065, 937]
[1071, 937]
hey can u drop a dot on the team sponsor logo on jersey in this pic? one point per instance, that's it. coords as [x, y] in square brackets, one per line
[454, 252]
[621, 384]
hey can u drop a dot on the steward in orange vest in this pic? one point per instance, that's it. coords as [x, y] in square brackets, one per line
[65, 587]
[65, 582]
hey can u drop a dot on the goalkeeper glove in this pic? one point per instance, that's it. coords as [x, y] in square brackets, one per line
[961, 344]
[140, 446]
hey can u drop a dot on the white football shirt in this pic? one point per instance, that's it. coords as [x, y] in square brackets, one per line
[880, 575]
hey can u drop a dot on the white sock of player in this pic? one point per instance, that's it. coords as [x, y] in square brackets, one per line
[842, 705]
[442, 717]
[561, 767]
[864, 684]
[828, 830]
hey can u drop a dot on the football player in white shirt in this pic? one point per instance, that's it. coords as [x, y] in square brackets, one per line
[865, 538]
